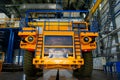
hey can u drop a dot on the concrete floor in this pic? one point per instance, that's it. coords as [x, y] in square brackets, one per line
[64, 75]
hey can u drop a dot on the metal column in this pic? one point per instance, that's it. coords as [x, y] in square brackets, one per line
[10, 47]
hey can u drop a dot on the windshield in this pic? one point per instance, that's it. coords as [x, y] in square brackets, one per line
[58, 40]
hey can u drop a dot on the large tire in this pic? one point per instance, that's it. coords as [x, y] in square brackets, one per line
[86, 69]
[28, 67]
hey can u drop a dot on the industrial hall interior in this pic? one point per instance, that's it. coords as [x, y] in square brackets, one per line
[59, 39]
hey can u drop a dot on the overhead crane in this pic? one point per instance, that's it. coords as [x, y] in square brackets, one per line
[94, 8]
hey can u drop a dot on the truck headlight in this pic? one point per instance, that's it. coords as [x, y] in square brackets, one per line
[86, 39]
[30, 39]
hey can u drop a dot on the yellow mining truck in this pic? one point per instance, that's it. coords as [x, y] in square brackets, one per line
[1, 60]
[57, 44]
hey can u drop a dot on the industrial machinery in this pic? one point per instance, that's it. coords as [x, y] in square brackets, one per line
[1, 60]
[54, 40]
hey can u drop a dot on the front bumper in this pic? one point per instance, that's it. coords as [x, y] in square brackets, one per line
[58, 63]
